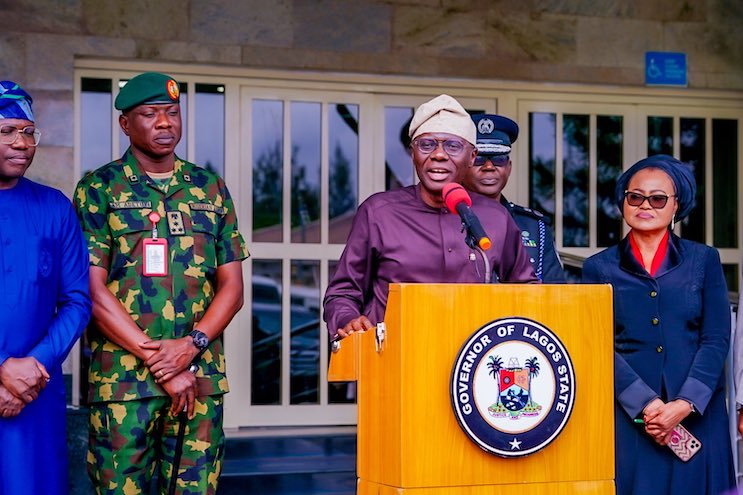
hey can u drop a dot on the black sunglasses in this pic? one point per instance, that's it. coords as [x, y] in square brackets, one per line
[497, 160]
[656, 201]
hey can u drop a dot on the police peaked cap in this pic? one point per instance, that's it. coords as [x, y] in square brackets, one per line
[495, 134]
[150, 88]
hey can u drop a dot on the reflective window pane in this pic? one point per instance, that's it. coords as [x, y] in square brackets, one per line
[123, 138]
[96, 106]
[305, 170]
[692, 149]
[609, 141]
[209, 133]
[725, 182]
[398, 168]
[731, 277]
[343, 148]
[181, 150]
[268, 161]
[542, 156]
[660, 136]
[266, 332]
[304, 367]
[575, 180]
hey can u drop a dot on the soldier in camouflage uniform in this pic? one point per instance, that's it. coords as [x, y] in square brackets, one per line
[158, 312]
[489, 175]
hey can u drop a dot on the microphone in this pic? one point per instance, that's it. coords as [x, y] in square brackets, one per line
[458, 201]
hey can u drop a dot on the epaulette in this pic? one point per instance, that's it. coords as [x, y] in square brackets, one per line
[523, 210]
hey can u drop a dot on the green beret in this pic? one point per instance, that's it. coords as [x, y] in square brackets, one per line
[149, 88]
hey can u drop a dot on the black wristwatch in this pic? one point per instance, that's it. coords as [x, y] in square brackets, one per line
[200, 340]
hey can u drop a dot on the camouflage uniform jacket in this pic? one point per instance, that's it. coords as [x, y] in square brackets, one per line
[199, 222]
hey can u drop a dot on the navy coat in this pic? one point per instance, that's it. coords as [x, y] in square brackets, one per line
[536, 237]
[671, 337]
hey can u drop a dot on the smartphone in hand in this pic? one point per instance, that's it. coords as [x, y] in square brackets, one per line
[683, 443]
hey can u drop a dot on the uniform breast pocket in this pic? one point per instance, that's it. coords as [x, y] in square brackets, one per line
[205, 229]
[127, 232]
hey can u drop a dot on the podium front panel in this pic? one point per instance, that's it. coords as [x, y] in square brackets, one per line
[409, 436]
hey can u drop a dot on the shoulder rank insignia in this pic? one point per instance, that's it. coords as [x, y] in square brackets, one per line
[175, 223]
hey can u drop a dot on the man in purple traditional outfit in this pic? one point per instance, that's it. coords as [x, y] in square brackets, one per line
[44, 308]
[408, 235]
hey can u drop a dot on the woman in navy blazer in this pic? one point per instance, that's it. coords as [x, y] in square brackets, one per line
[671, 337]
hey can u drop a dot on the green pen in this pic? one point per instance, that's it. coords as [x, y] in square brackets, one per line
[639, 421]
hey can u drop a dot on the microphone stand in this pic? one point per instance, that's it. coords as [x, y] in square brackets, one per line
[472, 243]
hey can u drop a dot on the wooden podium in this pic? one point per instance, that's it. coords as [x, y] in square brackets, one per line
[409, 439]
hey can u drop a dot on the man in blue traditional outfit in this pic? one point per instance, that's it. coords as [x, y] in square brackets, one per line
[44, 308]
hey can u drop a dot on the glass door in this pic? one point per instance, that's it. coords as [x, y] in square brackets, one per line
[308, 158]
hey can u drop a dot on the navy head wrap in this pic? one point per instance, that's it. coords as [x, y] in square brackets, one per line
[15, 103]
[680, 174]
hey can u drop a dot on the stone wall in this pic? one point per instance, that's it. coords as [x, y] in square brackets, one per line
[582, 41]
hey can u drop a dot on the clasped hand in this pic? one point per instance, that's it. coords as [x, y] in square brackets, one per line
[168, 364]
[661, 418]
[23, 377]
[171, 356]
[183, 390]
[10, 405]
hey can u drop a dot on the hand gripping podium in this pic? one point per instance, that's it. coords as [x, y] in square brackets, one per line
[527, 368]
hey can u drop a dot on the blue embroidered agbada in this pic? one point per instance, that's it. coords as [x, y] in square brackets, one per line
[44, 307]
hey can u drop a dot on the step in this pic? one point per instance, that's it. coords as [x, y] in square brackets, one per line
[290, 455]
[290, 484]
[290, 465]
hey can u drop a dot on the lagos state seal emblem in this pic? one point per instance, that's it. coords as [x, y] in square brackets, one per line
[513, 387]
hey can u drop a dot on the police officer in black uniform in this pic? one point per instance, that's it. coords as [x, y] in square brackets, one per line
[489, 175]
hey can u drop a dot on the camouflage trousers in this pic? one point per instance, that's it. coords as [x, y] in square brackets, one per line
[128, 440]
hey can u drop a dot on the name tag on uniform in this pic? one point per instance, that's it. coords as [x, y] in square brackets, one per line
[129, 205]
[155, 257]
[219, 210]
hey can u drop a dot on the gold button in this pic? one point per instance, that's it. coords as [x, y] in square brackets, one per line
[653, 293]
[659, 348]
[654, 321]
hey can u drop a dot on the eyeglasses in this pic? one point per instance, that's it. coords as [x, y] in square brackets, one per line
[497, 160]
[453, 147]
[9, 134]
[656, 201]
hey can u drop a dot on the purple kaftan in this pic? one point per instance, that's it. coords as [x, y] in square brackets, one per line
[396, 237]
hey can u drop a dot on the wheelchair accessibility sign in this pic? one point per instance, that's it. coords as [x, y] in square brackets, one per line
[665, 69]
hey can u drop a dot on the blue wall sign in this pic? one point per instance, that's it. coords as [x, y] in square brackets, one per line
[665, 69]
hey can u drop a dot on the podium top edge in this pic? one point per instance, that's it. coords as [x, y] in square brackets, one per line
[490, 286]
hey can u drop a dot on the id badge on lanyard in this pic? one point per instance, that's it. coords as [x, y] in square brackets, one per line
[155, 251]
